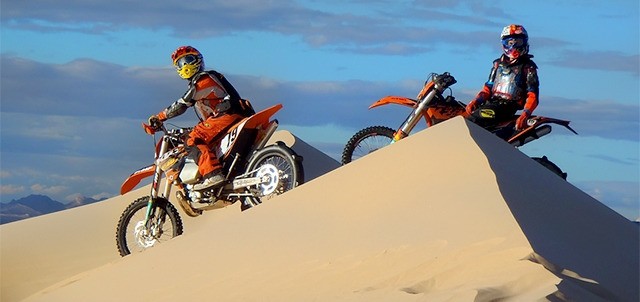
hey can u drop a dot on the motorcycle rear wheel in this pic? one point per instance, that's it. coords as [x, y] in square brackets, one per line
[366, 141]
[281, 165]
[133, 236]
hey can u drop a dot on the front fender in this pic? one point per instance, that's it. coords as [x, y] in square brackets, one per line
[394, 100]
[134, 179]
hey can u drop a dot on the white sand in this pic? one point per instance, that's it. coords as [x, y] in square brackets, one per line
[449, 214]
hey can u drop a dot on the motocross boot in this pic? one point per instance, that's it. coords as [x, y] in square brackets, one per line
[215, 180]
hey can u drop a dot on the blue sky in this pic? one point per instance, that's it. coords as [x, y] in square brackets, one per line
[78, 78]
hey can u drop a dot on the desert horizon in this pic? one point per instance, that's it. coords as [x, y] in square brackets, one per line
[451, 213]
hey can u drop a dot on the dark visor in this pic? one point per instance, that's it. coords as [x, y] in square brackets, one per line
[188, 59]
[512, 42]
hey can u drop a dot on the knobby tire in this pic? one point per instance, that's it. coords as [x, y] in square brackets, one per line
[285, 160]
[135, 212]
[366, 141]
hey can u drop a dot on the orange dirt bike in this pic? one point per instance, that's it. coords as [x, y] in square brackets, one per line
[254, 171]
[435, 108]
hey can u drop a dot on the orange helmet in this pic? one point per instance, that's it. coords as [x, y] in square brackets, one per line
[188, 61]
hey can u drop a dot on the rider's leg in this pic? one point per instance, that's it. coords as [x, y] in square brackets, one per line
[210, 168]
[203, 136]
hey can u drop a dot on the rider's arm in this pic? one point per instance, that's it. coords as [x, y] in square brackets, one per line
[180, 106]
[485, 93]
[533, 85]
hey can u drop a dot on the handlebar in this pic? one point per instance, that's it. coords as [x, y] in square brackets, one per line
[160, 126]
[443, 81]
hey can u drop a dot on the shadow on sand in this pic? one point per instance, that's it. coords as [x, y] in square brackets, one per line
[591, 247]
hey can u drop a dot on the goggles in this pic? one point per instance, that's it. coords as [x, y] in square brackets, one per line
[186, 60]
[512, 42]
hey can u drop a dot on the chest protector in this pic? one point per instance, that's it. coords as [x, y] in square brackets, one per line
[211, 89]
[509, 82]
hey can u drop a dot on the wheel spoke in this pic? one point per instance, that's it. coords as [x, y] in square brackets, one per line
[279, 169]
[284, 169]
[369, 145]
[135, 235]
[366, 141]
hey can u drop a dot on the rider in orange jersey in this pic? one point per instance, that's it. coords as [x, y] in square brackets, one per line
[217, 104]
[513, 83]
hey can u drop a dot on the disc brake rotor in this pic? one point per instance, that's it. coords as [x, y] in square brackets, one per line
[270, 176]
[142, 236]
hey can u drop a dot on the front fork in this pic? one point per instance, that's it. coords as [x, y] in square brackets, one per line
[414, 117]
[155, 185]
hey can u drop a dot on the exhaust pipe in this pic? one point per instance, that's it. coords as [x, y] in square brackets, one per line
[540, 132]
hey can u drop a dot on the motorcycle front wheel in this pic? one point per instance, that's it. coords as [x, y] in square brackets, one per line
[279, 167]
[366, 141]
[133, 235]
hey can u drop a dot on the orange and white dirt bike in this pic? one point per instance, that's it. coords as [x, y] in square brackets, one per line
[435, 108]
[254, 171]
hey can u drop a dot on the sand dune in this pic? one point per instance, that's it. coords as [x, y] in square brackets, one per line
[41, 251]
[448, 214]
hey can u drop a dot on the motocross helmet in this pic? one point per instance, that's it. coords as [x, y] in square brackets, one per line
[515, 41]
[188, 61]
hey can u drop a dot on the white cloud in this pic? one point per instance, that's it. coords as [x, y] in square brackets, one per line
[11, 189]
[48, 190]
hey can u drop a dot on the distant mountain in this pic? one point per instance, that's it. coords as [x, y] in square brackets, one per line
[40, 203]
[14, 211]
[82, 200]
[36, 205]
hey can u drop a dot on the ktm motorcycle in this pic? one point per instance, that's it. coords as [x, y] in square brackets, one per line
[434, 107]
[254, 172]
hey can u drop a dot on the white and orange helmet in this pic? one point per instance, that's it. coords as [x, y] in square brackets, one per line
[515, 41]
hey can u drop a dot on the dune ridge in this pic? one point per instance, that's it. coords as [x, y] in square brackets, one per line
[440, 216]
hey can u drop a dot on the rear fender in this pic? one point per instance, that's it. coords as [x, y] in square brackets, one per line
[537, 122]
[549, 120]
[134, 179]
[260, 120]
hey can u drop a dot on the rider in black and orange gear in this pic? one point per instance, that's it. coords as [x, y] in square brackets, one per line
[512, 85]
[217, 104]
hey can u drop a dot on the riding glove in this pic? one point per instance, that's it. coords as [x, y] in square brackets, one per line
[472, 106]
[521, 122]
